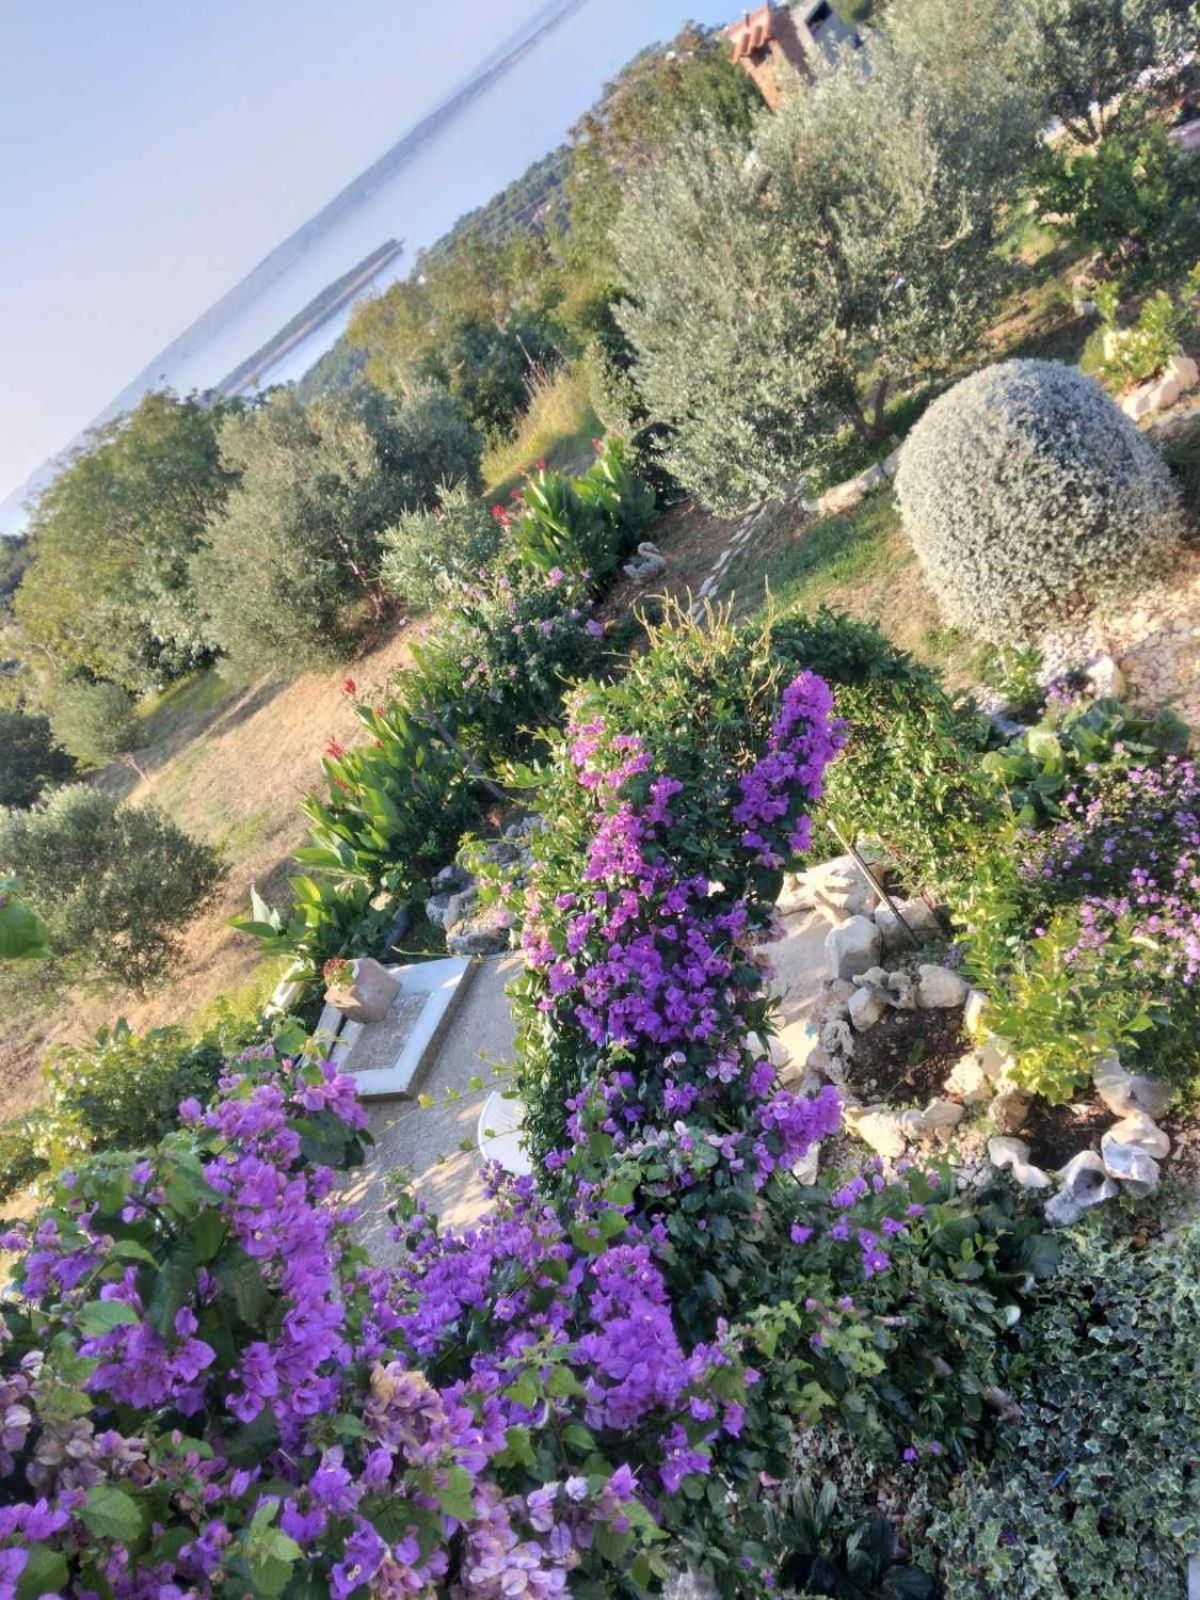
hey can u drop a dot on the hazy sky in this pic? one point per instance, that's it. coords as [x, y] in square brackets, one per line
[150, 154]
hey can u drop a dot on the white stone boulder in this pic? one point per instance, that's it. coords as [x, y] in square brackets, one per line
[1105, 679]
[866, 1007]
[938, 1121]
[853, 947]
[1012, 1155]
[939, 988]
[1178, 376]
[973, 1009]
[1085, 1182]
[1124, 1092]
[970, 1081]
[1137, 1131]
[1009, 1110]
[917, 915]
[878, 1127]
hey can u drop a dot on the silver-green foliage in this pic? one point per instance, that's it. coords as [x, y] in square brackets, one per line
[429, 554]
[96, 722]
[1092, 1493]
[777, 291]
[114, 883]
[1024, 490]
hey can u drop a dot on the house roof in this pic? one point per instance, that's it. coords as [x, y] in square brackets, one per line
[756, 29]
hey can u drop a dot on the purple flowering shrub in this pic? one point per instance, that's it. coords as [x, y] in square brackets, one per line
[1101, 924]
[207, 1384]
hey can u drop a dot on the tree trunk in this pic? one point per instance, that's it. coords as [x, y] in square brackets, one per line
[874, 428]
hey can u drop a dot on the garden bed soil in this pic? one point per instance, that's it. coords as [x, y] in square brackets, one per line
[907, 1056]
[1056, 1133]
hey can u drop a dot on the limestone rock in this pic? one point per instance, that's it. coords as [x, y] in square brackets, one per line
[1138, 1171]
[484, 934]
[853, 947]
[1085, 1183]
[939, 988]
[1009, 1110]
[1124, 1092]
[1137, 1131]
[369, 994]
[879, 1128]
[450, 879]
[973, 1009]
[837, 1037]
[805, 1170]
[866, 1007]
[436, 908]
[938, 1121]
[1105, 679]
[902, 991]
[838, 888]
[872, 978]
[1012, 1155]
[970, 1081]
[460, 907]
[916, 914]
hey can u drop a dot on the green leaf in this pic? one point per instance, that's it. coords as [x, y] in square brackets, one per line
[45, 1573]
[110, 1513]
[99, 1317]
[241, 1277]
[454, 1497]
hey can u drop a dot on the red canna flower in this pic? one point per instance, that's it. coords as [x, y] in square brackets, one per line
[335, 750]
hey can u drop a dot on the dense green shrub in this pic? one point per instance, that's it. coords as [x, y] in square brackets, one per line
[1093, 1494]
[120, 1091]
[96, 722]
[31, 759]
[115, 883]
[780, 293]
[909, 774]
[1024, 490]
[1074, 739]
[430, 553]
[1097, 64]
[20, 1162]
[1165, 325]
[290, 572]
[327, 918]
[1133, 198]
[487, 367]
[508, 649]
[108, 591]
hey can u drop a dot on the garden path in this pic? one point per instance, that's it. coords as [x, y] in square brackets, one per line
[426, 1141]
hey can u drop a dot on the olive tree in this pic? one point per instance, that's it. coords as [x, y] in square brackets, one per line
[778, 295]
[297, 543]
[96, 722]
[30, 758]
[114, 883]
[1090, 54]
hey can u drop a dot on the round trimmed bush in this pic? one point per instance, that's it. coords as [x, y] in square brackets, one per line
[1025, 489]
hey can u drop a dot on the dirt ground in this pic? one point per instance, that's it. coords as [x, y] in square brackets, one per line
[229, 764]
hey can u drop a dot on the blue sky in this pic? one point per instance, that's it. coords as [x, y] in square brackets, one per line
[151, 154]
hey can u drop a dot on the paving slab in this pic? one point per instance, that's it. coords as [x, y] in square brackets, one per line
[799, 967]
[425, 1142]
